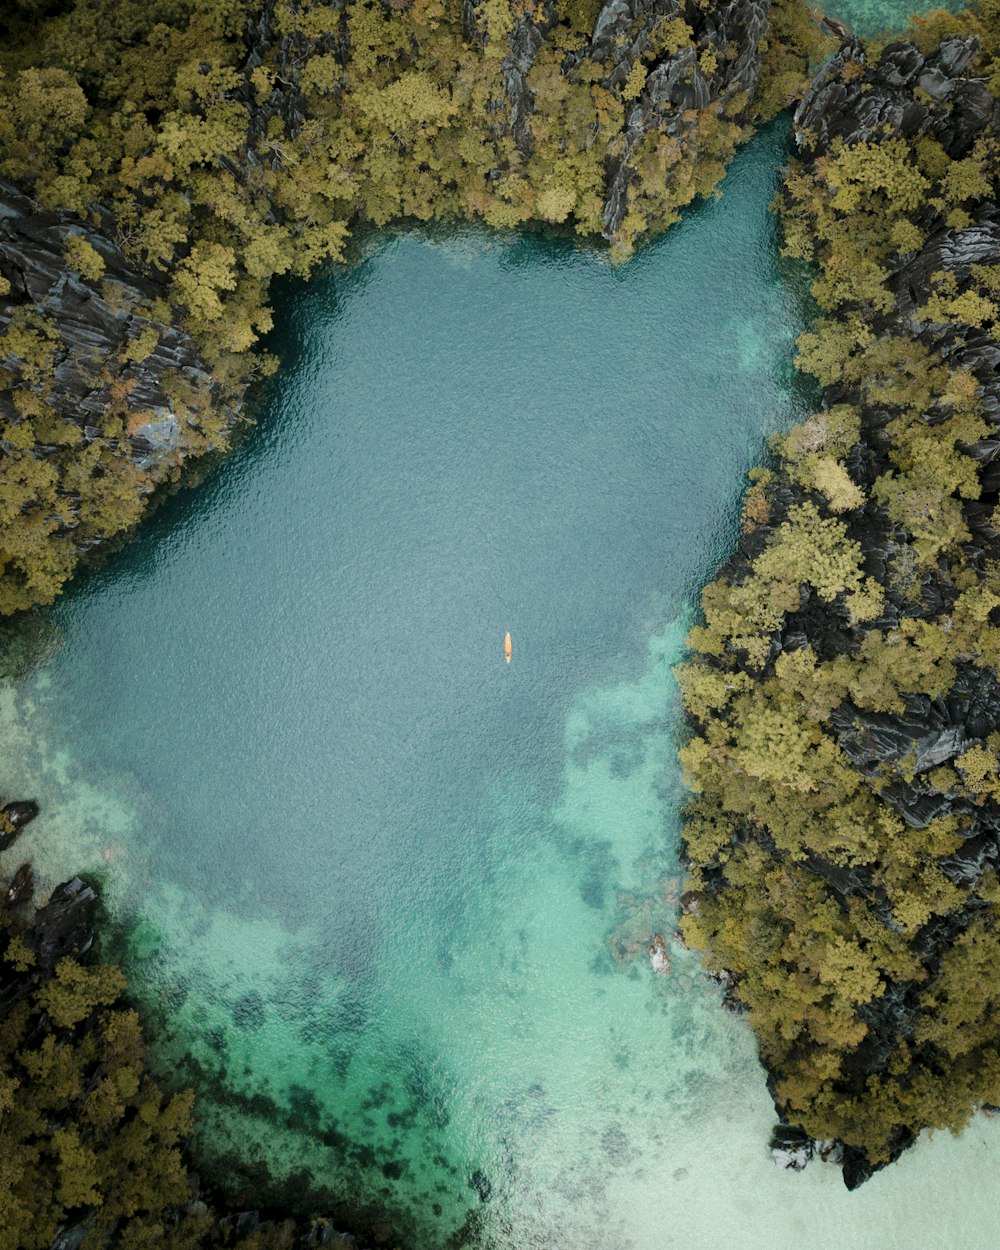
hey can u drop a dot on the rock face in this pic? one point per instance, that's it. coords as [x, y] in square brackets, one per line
[678, 84]
[64, 926]
[951, 106]
[265, 39]
[95, 321]
[908, 94]
[912, 95]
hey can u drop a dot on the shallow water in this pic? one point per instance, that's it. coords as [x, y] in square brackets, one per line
[880, 17]
[384, 897]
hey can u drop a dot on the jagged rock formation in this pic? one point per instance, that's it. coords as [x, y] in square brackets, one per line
[96, 322]
[882, 824]
[953, 105]
[724, 62]
[909, 94]
[284, 53]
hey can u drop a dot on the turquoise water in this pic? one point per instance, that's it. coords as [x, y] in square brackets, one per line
[386, 899]
[879, 17]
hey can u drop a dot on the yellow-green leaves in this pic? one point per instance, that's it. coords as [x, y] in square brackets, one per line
[84, 258]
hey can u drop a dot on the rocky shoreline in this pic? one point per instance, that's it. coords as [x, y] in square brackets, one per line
[56, 1000]
[129, 301]
[879, 677]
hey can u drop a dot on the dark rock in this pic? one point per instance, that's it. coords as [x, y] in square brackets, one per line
[847, 882]
[916, 808]
[967, 865]
[22, 886]
[92, 331]
[20, 813]
[881, 100]
[13, 818]
[955, 55]
[675, 82]
[791, 1148]
[526, 41]
[322, 1234]
[833, 26]
[951, 251]
[857, 1169]
[71, 1238]
[899, 64]
[63, 926]
[285, 55]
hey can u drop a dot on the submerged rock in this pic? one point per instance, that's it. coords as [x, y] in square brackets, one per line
[659, 957]
[22, 885]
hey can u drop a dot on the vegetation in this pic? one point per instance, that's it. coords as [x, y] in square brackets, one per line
[88, 1141]
[829, 837]
[216, 171]
[842, 688]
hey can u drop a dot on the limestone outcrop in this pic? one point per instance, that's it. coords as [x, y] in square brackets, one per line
[110, 349]
[917, 754]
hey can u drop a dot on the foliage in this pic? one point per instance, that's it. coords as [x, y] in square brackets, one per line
[89, 1144]
[220, 176]
[862, 948]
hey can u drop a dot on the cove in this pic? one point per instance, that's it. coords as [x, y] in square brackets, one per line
[384, 899]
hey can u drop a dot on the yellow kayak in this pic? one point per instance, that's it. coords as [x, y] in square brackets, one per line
[507, 647]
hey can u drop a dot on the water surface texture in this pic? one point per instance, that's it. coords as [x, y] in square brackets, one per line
[386, 899]
[881, 17]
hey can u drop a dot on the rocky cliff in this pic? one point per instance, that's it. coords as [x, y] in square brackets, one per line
[850, 891]
[721, 67]
[109, 350]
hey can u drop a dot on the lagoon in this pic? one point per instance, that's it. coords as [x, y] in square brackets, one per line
[385, 899]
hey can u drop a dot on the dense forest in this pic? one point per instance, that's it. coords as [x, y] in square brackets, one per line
[843, 688]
